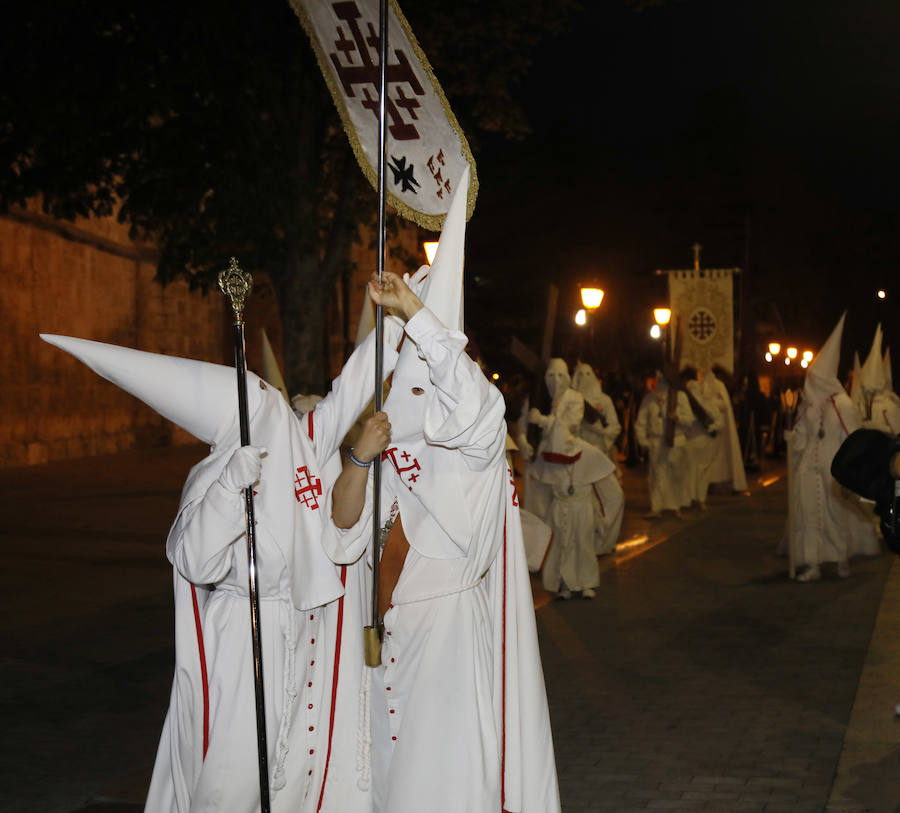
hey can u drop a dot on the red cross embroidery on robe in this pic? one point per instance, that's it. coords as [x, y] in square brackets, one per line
[409, 472]
[307, 488]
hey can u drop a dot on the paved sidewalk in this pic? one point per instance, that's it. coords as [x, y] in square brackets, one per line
[699, 679]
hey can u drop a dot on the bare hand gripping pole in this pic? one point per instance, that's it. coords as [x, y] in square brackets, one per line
[236, 284]
[372, 633]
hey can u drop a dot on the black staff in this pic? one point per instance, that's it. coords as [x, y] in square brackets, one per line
[372, 633]
[236, 284]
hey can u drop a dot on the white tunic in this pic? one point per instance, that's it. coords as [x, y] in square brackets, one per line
[885, 413]
[602, 436]
[702, 444]
[459, 712]
[207, 758]
[727, 462]
[667, 477]
[828, 523]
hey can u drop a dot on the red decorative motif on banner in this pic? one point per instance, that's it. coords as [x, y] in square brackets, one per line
[409, 473]
[359, 48]
[307, 488]
[434, 163]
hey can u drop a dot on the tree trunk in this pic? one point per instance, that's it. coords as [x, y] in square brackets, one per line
[303, 297]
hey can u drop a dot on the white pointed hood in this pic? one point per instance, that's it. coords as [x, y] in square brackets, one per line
[888, 373]
[557, 379]
[202, 398]
[199, 396]
[442, 294]
[855, 373]
[431, 519]
[872, 374]
[821, 376]
[271, 372]
[586, 382]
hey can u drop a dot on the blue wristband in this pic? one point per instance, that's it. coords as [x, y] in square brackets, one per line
[357, 462]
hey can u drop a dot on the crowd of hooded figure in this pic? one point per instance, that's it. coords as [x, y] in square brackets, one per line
[687, 432]
[828, 524]
[455, 716]
[456, 711]
[573, 496]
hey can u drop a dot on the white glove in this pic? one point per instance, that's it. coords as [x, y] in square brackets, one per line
[243, 469]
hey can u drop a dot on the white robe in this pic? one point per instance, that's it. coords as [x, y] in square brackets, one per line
[828, 522]
[573, 477]
[701, 442]
[885, 413]
[603, 437]
[667, 478]
[207, 758]
[459, 711]
[727, 464]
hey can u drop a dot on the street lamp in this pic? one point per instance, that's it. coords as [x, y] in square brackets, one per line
[792, 352]
[774, 348]
[807, 356]
[655, 331]
[591, 297]
[662, 316]
[581, 317]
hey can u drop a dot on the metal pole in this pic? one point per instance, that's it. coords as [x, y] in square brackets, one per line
[372, 633]
[236, 284]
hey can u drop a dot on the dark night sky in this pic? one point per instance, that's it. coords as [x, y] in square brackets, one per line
[693, 121]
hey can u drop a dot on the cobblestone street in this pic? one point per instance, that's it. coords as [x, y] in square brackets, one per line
[699, 679]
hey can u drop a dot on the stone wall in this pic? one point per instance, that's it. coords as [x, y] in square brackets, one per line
[87, 279]
[90, 280]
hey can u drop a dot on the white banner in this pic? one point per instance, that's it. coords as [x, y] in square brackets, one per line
[702, 302]
[426, 149]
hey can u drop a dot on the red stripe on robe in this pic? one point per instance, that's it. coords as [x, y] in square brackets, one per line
[203, 677]
[334, 683]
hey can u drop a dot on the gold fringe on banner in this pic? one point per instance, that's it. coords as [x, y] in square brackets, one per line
[427, 221]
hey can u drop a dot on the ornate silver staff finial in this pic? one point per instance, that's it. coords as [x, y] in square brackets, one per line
[235, 284]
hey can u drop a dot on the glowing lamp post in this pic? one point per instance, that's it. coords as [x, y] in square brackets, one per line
[774, 348]
[591, 297]
[662, 317]
[430, 251]
[792, 353]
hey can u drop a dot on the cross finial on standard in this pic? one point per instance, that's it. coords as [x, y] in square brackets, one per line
[696, 247]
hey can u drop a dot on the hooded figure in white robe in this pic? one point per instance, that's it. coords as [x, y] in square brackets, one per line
[207, 757]
[458, 710]
[605, 430]
[827, 522]
[701, 438]
[727, 464]
[537, 495]
[609, 507]
[667, 476]
[572, 468]
[881, 408]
